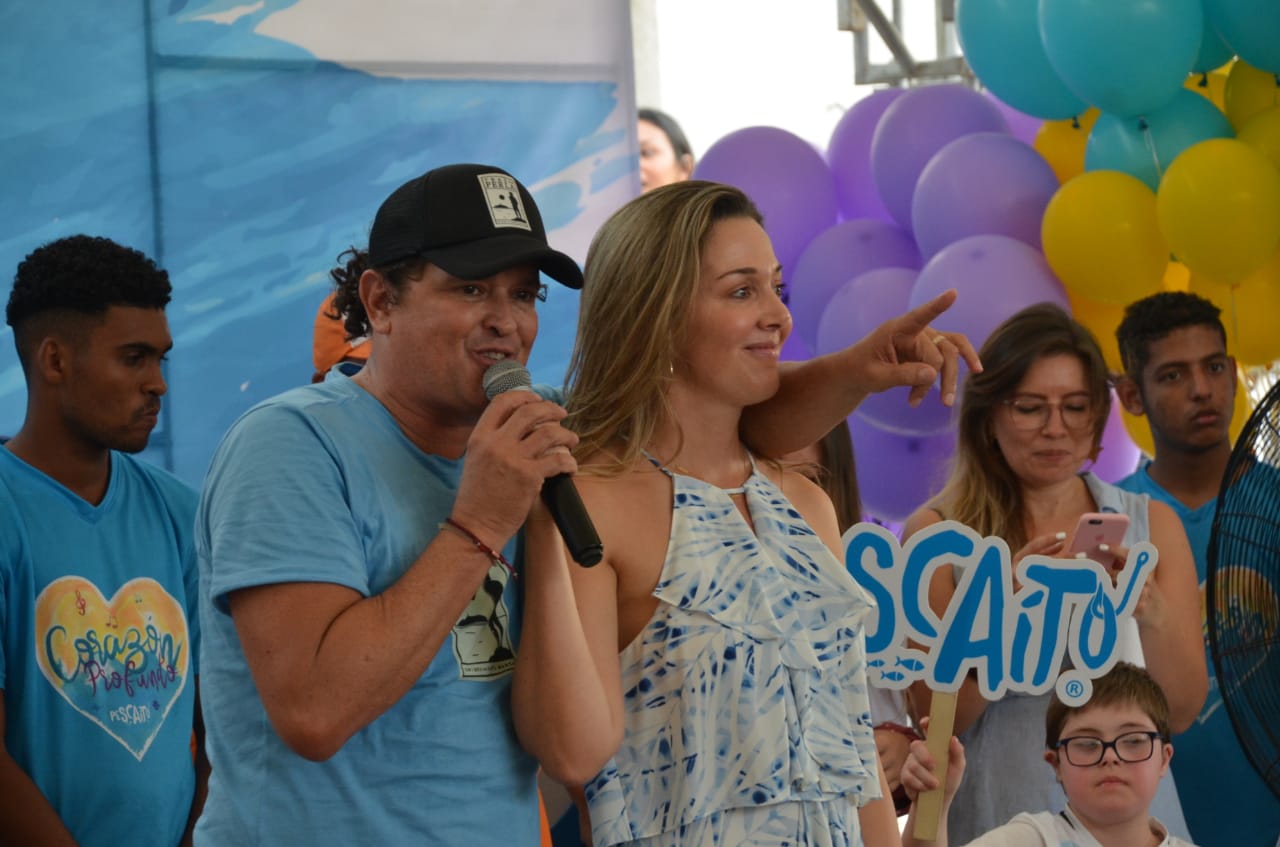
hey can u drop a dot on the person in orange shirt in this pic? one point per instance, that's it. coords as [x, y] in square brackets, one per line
[330, 345]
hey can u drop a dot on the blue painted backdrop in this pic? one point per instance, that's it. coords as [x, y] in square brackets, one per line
[245, 165]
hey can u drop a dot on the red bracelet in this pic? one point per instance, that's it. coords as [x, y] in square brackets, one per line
[495, 555]
[900, 729]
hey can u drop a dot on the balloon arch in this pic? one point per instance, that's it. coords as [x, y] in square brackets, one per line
[1119, 149]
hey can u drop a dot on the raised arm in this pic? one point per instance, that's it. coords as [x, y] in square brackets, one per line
[917, 776]
[328, 660]
[25, 815]
[1169, 618]
[815, 395]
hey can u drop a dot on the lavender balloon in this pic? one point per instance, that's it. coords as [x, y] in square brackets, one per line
[984, 183]
[786, 178]
[836, 256]
[915, 127]
[794, 349]
[849, 156]
[898, 473]
[1022, 126]
[994, 276]
[1119, 455]
[858, 307]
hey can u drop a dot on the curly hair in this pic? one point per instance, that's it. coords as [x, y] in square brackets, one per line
[82, 275]
[1152, 318]
[347, 305]
[85, 274]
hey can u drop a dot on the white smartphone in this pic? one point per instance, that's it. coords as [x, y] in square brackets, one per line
[1095, 529]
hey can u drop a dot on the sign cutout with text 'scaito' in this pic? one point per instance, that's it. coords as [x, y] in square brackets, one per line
[1012, 638]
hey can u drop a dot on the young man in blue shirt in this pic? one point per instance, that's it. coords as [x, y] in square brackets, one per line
[98, 577]
[1179, 375]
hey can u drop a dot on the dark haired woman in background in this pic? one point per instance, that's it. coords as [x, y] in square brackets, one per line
[665, 154]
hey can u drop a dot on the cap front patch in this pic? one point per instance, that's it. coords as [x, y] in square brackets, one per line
[502, 195]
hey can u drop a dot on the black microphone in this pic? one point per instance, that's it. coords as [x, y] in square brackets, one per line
[558, 492]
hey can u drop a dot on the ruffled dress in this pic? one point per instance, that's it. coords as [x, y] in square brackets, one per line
[745, 696]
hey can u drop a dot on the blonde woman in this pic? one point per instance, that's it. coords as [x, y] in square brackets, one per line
[711, 688]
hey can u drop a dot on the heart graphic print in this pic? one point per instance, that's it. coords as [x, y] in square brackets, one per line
[123, 662]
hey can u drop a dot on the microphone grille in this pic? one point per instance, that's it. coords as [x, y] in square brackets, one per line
[507, 375]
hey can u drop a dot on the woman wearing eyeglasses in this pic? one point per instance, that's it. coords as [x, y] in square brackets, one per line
[1029, 424]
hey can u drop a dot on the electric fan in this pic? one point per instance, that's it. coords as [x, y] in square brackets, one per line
[1243, 589]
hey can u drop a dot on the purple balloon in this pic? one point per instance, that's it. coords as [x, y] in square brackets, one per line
[849, 156]
[984, 183]
[1119, 455]
[861, 305]
[898, 473]
[794, 349]
[915, 127]
[836, 256]
[784, 175]
[1021, 125]
[994, 276]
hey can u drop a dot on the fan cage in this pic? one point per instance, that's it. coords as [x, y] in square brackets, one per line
[1243, 589]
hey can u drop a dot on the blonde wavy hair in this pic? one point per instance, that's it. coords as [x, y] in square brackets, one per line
[982, 491]
[641, 277]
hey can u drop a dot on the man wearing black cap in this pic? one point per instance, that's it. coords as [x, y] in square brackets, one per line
[355, 573]
[357, 591]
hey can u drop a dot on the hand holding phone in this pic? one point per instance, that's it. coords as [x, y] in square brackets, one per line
[1097, 534]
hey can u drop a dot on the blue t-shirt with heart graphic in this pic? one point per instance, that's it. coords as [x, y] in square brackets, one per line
[98, 627]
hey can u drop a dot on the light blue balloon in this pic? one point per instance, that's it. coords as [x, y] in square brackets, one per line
[1127, 57]
[1001, 42]
[1145, 147]
[1214, 52]
[1249, 27]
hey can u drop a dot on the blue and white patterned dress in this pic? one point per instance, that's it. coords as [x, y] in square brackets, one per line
[745, 696]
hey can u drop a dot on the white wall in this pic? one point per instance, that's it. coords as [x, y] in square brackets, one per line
[727, 64]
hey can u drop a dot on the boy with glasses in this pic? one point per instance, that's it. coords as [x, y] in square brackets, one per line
[1109, 754]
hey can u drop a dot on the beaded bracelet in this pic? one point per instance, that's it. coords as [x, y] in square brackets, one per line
[495, 555]
[900, 729]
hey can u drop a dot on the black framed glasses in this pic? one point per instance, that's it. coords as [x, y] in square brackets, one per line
[1032, 413]
[1085, 751]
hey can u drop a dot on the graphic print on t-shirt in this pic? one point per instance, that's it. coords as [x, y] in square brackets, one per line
[123, 662]
[482, 635]
[1245, 616]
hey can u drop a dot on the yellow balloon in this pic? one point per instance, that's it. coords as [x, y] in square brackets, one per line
[1242, 408]
[1248, 91]
[1101, 319]
[1262, 133]
[1250, 312]
[1102, 239]
[1219, 209]
[1136, 426]
[1177, 277]
[1062, 144]
[1212, 86]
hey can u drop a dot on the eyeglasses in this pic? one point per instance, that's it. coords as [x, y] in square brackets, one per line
[1085, 751]
[1029, 414]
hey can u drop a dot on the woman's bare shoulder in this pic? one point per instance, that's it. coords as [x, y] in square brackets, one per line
[922, 517]
[600, 477]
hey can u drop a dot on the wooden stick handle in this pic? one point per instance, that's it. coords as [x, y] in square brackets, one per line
[942, 720]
